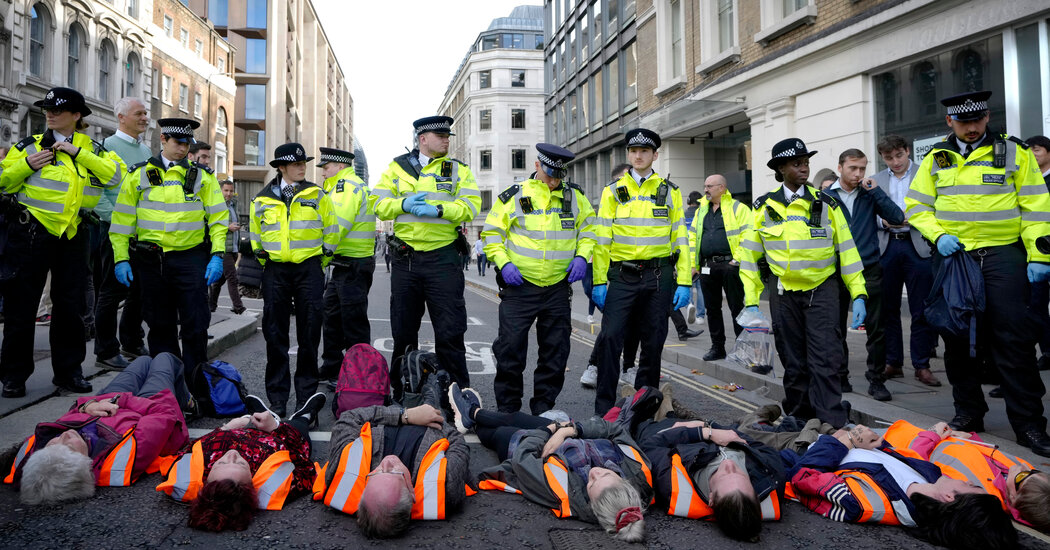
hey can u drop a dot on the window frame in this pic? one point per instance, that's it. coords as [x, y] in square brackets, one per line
[513, 115]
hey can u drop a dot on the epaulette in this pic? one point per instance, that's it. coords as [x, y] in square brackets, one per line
[760, 201]
[203, 167]
[1022, 143]
[134, 167]
[509, 193]
[461, 162]
[671, 183]
[828, 199]
[26, 141]
[612, 183]
[576, 187]
[98, 147]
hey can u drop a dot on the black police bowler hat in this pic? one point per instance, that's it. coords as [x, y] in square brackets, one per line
[787, 149]
[967, 106]
[181, 129]
[289, 153]
[554, 158]
[641, 137]
[437, 124]
[64, 98]
[329, 154]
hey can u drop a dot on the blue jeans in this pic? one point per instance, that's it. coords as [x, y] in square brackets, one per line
[149, 376]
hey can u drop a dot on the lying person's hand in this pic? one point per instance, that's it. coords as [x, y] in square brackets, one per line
[424, 415]
[264, 421]
[689, 424]
[725, 437]
[942, 430]
[101, 408]
[236, 423]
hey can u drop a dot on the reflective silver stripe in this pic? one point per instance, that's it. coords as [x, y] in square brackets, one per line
[588, 235]
[914, 209]
[681, 241]
[604, 240]
[22, 452]
[277, 479]
[53, 207]
[852, 268]
[1035, 216]
[383, 193]
[269, 227]
[540, 254]
[330, 229]
[354, 456]
[440, 196]
[431, 491]
[304, 243]
[122, 462]
[642, 241]
[999, 215]
[686, 493]
[801, 244]
[847, 244]
[528, 233]
[182, 476]
[473, 209]
[493, 239]
[651, 222]
[271, 246]
[467, 192]
[872, 496]
[812, 264]
[774, 263]
[169, 227]
[769, 512]
[978, 190]
[193, 206]
[921, 197]
[750, 266]
[92, 191]
[345, 223]
[117, 175]
[36, 180]
[360, 235]
[490, 227]
[737, 231]
[604, 222]
[752, 245]
[1029, 190]
[216, 208]
[121, 229]
[410, 218]
[942, 458]
[305, 224]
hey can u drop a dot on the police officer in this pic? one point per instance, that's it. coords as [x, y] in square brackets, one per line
[799, 230]
[428, 195]
[982, 193]
[346, 296]
[539, 234]
[642, 252]
[167, 210]
[293, 233]
[54, 179]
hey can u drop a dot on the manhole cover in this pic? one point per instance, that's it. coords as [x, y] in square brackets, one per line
[586, 539]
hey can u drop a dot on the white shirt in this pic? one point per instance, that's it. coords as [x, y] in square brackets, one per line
[479, 247]
[1047, 173]
[903, 474]
[58, 137]
[284, 183]
[848, 197]
[962, 144]
[167, 163]
[126, 137]
[789, 196]
[640, 178]
[898, 189]
[423, 160]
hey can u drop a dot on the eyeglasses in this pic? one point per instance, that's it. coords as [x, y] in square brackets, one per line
[1021, 476]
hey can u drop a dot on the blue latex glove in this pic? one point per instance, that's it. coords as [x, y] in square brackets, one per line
[753, 309]
[577, 269]
[860, 311]
[948, 245]
[1038, 273]
[411, 202]
[425, 210]
[214, 270]
[681, 297]
[598, 295]
[123, 272]
[511, 275]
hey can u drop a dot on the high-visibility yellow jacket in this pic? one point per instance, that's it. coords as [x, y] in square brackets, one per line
[631, 225]
[736, 216]
[978, 203]
[163, 213]
[801, 254]
[354, 209]
[293, 234]
[56, 193]
[543, 240]
[446, 181]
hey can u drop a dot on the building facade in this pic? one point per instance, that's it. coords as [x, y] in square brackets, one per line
[496, 98]
[102, 49]
[591, 65]
[191, 78]
[290, 86]
[723, 80]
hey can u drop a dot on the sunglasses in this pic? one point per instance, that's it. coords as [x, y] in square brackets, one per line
[1021, 476]
[55, 111]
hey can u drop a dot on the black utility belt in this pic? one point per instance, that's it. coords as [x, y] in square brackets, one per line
[641, 265]
[717, 259]
[345, 261]
[900, 236]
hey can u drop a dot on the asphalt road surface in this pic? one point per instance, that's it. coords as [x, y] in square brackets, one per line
[140, 517]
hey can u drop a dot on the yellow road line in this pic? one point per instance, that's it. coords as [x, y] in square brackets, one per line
[484, 294]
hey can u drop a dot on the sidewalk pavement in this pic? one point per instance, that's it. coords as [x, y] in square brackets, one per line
[44, 402]
[912, 401]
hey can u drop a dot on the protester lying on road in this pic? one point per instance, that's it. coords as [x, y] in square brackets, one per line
[591, 471]
[255, 462]
[107, 440]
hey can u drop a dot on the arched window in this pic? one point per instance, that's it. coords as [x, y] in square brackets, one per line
[926, 84]
[888, 89]
[220, 122]
[105, 61]
[131, 72]
[38, 24]
[76, 34]
[970, 71]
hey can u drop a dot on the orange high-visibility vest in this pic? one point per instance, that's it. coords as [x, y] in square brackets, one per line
[686, 502]
[272, 481]
[873, 500]
[558, 480]
[117, 466]
[27, 446]
[633, 454]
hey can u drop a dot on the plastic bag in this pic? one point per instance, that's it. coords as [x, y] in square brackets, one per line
[755, 348]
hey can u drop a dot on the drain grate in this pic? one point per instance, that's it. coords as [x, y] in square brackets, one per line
[586, 539]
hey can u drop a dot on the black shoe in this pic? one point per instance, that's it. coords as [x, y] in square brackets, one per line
[117, 362]
[849, 411]
[254, 404]
[641, 407]
[965, 423]
[844, 384]
[135, 352]
[996, 392]
[89, 333]
[463, 402]
[878, 391]
[191, 409]
[715, 353]
[687, 334]
[76, 384]
[1036, 440]
[14, 389]
[238, 310]
[311, 410]
[280, 410]
[761, 369]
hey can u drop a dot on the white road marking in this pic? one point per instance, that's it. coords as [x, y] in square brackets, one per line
[477, 352]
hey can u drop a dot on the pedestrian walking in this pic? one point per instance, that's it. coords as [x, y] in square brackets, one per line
[479, 251]
[230, 256]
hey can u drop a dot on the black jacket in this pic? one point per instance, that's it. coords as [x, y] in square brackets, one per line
[862, 221]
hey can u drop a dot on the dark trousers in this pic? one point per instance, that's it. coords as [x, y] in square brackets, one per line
[722, 278]
[283, 283]
[38, 252]
[346, 312]
[588, 287]
[631, 339]
[433, 280]
[874, 331]
[496, 429]
[902, 267]
[643, 302]
[148, 376]
[175, 295]
[1040, 300]
[806, 332]
[521, 306]
[482, 264]
[110, 293]
[229, 277]
[1007, 331]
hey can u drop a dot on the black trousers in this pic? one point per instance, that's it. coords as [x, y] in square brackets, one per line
[1039, 302]
[874, 330]
[521, 306]
[1007, 331]
[229, 278]
[806, 332]
[37, 252]
[283, 283]
[346, 312]
[643, 302]
[902, 267]
[723, 277]
[432, 280]
[175, 294]
[496, 429]
[110, 293]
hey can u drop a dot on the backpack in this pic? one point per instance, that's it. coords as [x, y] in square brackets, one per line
[956, 299]
[218, 389]
[364, 380]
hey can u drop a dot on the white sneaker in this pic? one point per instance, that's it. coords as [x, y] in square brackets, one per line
[628, 376]
[701, 319]
[556, 415]
[590, 377]
[690, 316]
[590, 319]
